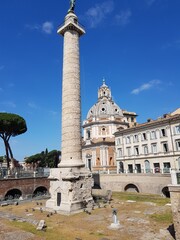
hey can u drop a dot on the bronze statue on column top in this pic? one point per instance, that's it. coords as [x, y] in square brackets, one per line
[72, 5]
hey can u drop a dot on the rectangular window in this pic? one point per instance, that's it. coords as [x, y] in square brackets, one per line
[136, 151]
[153, 135]
[178, 145]
[119, 152]
[167, 167]
[145, 149]
[144, 137]
[177, 129]
[58, 199]
[138, 168]
[128, 151]
[135, 138]
[154, 148]
[165, 147]
[118, 141]
[157, 168]
[130, 168]
[163, 132]
[128, 140]
[88, 133]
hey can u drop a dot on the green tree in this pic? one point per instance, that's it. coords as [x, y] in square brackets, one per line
[1, 159]
[52, 159]
[45, 159]
[35, 160]
[11, 125]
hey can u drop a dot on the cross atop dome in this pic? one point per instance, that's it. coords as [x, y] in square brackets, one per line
[104, 83]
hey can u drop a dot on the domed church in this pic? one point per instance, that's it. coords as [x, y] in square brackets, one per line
[103, 120]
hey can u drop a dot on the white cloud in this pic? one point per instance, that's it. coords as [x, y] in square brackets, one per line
[146, 86]
[9, 104]
[97, 14]
[33, 27]
[47, 27]
[32, 105]
[123, 17]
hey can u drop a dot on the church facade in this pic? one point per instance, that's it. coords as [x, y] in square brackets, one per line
[102, 121]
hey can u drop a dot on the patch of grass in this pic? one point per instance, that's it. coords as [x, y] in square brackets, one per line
[163, 217]
[138, 197]
[47, 234]
[99, 234]
[25, 226]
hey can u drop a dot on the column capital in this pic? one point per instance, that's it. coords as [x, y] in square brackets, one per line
[71, 23]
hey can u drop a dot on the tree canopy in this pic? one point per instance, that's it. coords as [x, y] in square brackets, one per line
[11, 125]
[45, 159]
[1, 159]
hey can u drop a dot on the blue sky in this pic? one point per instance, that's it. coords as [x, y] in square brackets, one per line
[133, 44]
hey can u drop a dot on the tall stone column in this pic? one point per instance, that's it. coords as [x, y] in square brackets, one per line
[71, 99]
[71, 183]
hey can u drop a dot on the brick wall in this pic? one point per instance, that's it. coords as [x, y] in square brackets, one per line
[26, 185]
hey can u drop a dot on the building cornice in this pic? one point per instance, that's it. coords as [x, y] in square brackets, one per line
[151, 124]
[108, 122]
[99, 144]
[147, 156]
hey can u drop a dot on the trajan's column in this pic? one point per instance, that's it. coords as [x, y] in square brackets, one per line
[71, 183]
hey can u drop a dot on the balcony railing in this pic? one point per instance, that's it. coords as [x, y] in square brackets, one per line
[135, 171]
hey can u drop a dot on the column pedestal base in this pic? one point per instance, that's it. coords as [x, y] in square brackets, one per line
[70, 190]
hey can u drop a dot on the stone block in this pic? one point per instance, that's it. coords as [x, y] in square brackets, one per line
[41, 226]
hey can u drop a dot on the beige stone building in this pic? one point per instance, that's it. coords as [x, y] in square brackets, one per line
[103, 120]
[151, 147]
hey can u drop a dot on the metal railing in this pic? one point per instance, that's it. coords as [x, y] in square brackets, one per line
[22, 173]
[136, 171]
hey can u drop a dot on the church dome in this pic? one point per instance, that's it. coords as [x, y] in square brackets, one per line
[105, 106]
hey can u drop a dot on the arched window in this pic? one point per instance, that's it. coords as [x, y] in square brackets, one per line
[147, 166]
[111, 162]
[88, 134]
[98, 163]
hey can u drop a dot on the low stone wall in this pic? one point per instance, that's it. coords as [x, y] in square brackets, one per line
[143, 183]
[175, 205]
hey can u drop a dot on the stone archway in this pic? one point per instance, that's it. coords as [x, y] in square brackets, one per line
[165, 192]
[131, 188]
[40, 191]
[13, 194]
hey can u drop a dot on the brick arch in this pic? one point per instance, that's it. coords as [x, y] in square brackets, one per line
[40, 190]
[13, 193]
[26, 185]
[132, 187]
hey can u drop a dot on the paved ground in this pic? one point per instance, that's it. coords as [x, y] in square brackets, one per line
[138, 220]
